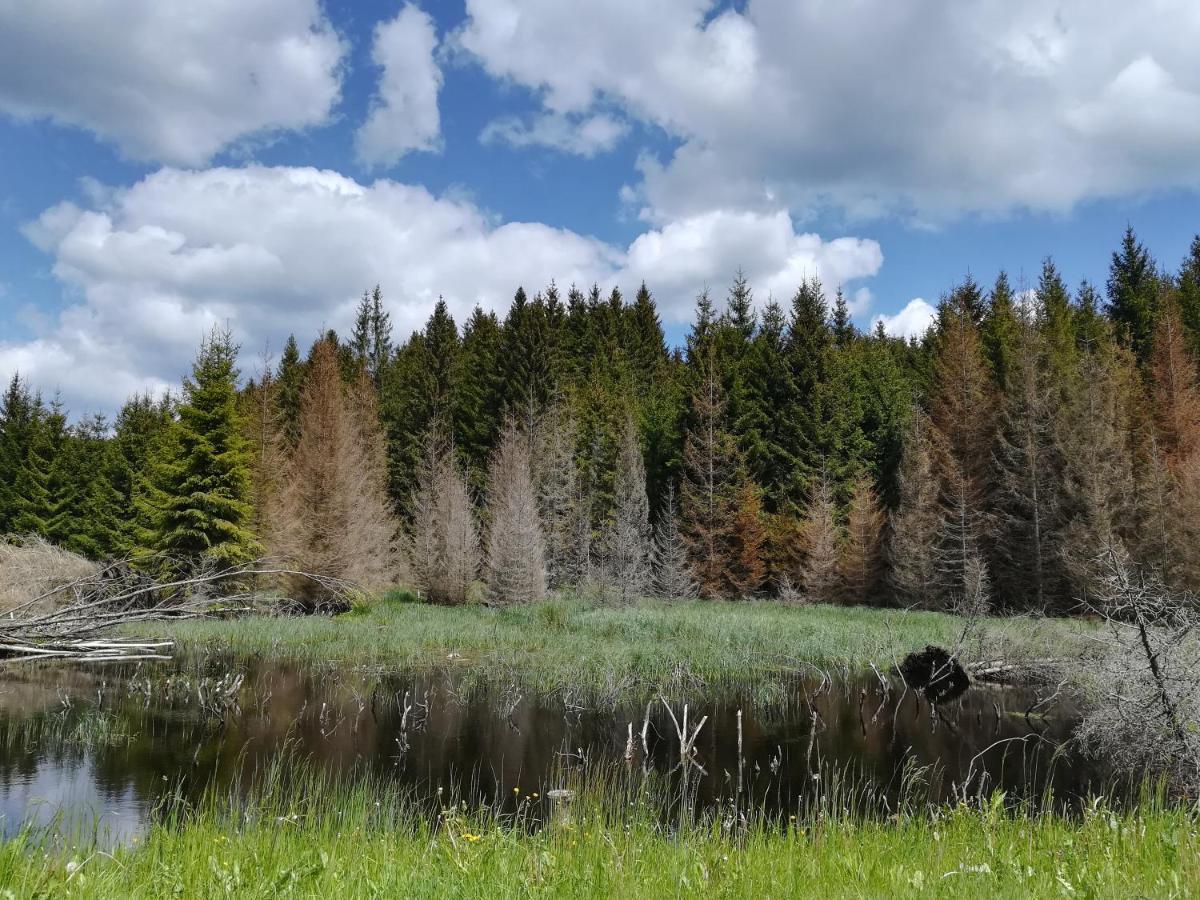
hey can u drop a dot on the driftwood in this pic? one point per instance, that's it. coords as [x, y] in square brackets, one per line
[65, 621]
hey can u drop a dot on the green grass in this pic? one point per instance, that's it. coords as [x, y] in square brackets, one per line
[359, 840]
[599, 648]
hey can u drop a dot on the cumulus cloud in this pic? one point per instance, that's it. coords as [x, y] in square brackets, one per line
[404, 112]
[871, 107]
[581, 137]
[268, 251]
[911, 322]
[169, 84]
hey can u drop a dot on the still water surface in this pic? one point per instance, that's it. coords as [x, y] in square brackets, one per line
[101, 748]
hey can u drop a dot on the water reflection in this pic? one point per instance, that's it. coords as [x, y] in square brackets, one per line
[104, 747]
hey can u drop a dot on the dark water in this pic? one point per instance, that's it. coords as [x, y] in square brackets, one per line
[101, 748]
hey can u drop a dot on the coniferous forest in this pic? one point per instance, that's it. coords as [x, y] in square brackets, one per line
[780, 452]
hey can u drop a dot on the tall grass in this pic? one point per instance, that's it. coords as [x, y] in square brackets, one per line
[565, 640]
[304, 834]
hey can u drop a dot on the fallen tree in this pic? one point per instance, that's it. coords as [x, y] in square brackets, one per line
[68, 619]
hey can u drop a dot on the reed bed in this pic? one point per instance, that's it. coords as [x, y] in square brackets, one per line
[303, 833]
[597, 649]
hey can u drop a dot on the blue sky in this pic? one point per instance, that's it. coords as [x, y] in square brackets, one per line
[258, 165]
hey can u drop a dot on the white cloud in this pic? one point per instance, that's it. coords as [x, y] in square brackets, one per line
[912, 321]
[268, 251]
[169, 83]
[585, 136]
[404, 112]
[871, 107]
[683, 256]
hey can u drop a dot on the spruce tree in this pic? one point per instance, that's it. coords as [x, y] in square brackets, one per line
[860, 563]
[674, 578]
[721, 510]
[628, 544]
[916, 522]
[1133, 288]
[1000, 332]
[19, 414]
[1026, 500]
[1188, 293]
[516, 548]
[818, 577]
[204, 502]
[475, 401]
[289, 389]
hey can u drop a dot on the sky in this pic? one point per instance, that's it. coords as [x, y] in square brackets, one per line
[172, 166]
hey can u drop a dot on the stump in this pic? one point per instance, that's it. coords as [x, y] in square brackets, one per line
[936, 674]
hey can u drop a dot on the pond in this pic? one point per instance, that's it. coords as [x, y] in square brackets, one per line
[96, 751]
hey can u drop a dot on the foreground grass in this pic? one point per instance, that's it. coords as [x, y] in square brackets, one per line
[599, 647]
[356, 842]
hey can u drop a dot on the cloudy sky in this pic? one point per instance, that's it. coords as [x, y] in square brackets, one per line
[171, 165]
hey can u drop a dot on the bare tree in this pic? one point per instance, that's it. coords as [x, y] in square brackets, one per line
[1142, 701]
[674, 578]
[444, 542]
[914, 524]
[1098, 484]
[559, 491]
[860, 560]
[628, 543]
[516, 549]
[331, 514]
[1026, 498]
[818, 572]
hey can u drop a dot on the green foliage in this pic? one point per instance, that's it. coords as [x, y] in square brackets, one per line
[1133, 288]
[200, 505]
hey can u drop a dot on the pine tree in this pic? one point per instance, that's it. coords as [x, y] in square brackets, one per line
[628, 544]
[860, 563]
[674, 578]
[1133, 293]
[204, 509]
[516, 549]
[818, 577]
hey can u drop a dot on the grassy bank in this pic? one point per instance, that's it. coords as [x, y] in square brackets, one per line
[596, 646]
[357, 841]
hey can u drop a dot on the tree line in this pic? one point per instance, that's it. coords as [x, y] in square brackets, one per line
[779, 452]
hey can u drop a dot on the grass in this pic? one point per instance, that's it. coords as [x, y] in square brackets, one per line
[319, 838]
[599, 648]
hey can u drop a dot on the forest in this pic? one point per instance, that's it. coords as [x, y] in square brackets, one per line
[780, 452]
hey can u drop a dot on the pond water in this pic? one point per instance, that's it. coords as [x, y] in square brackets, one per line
[99, 749]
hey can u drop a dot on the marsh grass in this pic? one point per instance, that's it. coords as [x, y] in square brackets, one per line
[302, 833]
[85, 729]
[592, 647]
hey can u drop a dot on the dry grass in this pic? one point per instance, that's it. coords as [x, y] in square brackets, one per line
[31, 566]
